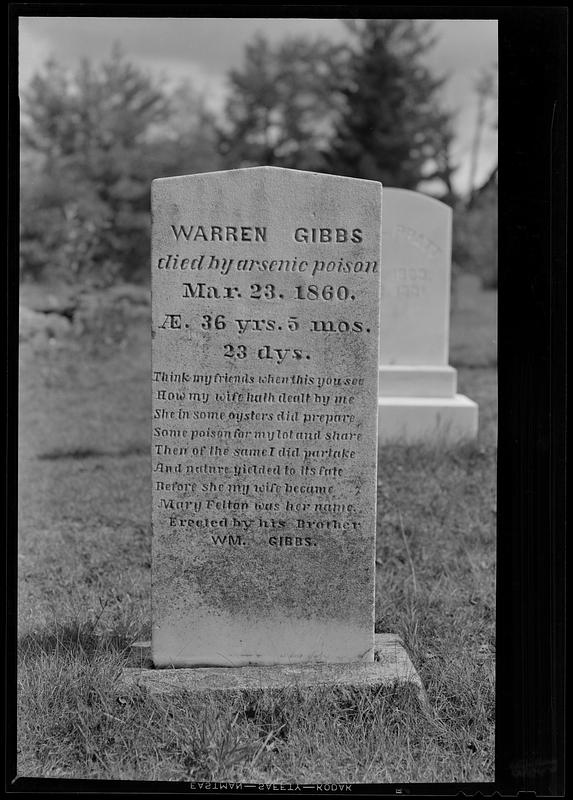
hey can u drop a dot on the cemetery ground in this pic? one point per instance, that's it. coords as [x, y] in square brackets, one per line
[85, 568]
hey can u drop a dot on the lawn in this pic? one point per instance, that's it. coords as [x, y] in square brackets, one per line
[84, 591]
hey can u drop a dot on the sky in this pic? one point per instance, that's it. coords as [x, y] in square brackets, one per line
[204, 50]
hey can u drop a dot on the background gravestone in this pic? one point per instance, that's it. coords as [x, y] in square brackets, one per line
[418, 397]
[265, 287]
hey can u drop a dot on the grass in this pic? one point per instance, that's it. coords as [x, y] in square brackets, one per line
[84, 596]
[80, 721]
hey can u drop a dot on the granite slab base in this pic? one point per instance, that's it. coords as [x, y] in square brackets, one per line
[391, 665]
[432, 420]
[398, 380]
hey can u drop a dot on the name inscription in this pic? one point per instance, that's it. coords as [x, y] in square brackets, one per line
[258, 233]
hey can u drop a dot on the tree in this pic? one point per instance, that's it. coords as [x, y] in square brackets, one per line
[475, 232]
[281, 104]
[392, 128]
[92, 141]
[187, 142]
[475, 217]
[486, 90]
[89, 131]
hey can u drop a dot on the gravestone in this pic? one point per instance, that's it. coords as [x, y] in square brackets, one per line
[265, 294]
[418, 399]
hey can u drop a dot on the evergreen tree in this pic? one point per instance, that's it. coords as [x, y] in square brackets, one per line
[281, 104]
[392, 128]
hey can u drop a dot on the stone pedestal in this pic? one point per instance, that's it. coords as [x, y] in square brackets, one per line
[391, 665]
[417, 389]
[439, 420]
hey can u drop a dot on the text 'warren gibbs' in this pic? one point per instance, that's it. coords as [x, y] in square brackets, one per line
[256, 233]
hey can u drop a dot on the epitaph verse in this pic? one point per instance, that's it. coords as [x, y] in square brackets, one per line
[265, 287]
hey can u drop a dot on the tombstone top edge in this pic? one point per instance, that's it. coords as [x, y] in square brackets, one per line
[427, 197]
[263, 169]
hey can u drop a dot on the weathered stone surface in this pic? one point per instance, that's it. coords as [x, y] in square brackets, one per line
[436, 420]
[418, 399]
[416, 253]
[398, 380]
[265, 287]
[391, 665]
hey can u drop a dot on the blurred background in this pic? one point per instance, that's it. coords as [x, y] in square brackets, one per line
[109, 104]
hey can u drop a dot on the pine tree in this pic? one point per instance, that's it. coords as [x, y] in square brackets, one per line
[392, 128]
[281, 104]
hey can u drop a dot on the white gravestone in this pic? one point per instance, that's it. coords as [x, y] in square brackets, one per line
[418, 399]
[265, 287]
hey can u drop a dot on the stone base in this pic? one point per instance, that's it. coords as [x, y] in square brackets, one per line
[391, 665]
[433, 420]
[397, 380]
